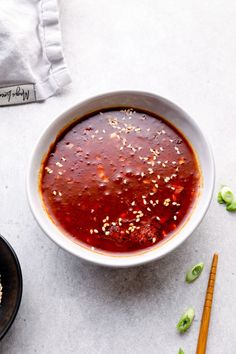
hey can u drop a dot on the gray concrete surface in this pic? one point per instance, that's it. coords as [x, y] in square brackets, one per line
[185, 51]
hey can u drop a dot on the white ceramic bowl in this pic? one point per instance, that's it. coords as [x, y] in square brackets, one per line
[143, 101]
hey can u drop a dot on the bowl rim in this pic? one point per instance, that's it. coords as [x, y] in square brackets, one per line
[137, 259]
[20, 289]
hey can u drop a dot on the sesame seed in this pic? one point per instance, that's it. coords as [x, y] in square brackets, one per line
[70, 146]
[59, 164]
[95, 231]
[166, 202]
[91, 231]
[48, 170]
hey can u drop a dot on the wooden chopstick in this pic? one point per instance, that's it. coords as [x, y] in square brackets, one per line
[206, 314]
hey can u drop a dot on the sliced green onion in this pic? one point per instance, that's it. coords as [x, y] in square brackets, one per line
[185, 320]
[181, 351]
[231, 206]
[194, 272]
[220, 199]
[227, 194]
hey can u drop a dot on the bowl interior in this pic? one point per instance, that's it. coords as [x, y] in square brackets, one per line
[11, 281]
[141, 101]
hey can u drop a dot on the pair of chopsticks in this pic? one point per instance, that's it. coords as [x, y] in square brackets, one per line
[206, 314]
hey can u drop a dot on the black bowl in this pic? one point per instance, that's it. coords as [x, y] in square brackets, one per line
[11, 280]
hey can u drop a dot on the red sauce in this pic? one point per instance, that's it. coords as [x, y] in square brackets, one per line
[120, 180]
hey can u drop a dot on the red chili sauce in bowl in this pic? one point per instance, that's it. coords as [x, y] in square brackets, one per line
[120, 180]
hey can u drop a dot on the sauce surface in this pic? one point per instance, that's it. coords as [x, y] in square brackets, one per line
[120, 180]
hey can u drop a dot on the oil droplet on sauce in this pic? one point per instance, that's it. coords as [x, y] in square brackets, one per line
[120, 181]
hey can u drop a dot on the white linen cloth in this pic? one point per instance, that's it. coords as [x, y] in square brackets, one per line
[30, 51]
